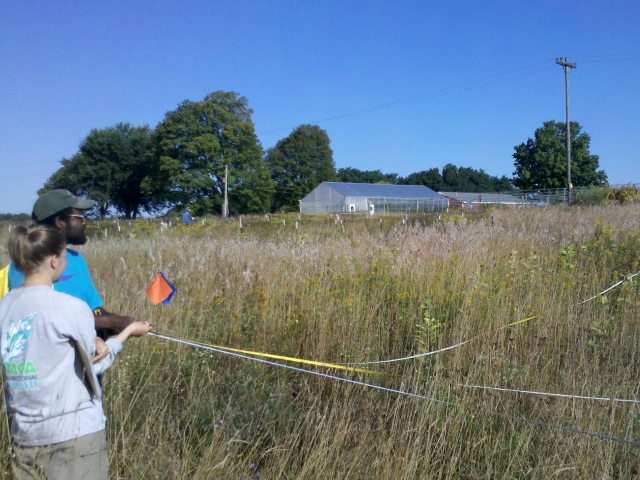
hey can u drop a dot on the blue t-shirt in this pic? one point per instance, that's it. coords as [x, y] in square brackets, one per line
[75, 280]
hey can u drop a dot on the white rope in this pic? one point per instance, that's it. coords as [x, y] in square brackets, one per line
[312, 372]
[547, 394]
[601, 293]
[467, 341]
[410, 357]
[392, 390]
[610, 288]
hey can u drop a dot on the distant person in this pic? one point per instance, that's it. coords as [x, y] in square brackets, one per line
[61, 210]
[187, 218]
[57, 419]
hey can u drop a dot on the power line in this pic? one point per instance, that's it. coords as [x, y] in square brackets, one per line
[616, 57]
[611, 60]
[608, 56]
[438, 93]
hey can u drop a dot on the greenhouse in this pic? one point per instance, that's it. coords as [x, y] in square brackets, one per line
[474, 200]
[335, 197]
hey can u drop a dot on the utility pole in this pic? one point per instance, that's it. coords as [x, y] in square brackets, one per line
[566, 67]
[225, 205]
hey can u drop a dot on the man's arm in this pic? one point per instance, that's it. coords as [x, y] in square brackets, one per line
[109, 321]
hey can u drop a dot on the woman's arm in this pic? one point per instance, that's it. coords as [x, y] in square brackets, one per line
[136, 329]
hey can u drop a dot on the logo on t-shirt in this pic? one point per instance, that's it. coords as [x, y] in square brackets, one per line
[64, 278]
[20, 374]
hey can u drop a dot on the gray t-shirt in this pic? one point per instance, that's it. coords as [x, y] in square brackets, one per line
[46, 396]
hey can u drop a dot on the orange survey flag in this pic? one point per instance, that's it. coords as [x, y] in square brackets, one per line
[160, 290]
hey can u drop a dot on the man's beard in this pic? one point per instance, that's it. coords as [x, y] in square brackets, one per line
[76, 238]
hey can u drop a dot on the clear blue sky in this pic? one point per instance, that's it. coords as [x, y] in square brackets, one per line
[67, 67]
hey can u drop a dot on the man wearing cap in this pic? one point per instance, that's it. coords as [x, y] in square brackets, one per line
[61, 210]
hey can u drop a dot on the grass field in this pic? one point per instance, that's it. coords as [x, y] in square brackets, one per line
[366, 291]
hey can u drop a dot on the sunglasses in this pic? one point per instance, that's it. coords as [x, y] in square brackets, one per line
[81, 217]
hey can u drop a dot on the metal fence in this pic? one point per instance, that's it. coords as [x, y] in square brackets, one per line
[536, 198]
[554, 196]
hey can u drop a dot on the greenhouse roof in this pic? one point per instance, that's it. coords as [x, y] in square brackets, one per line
[378, 190]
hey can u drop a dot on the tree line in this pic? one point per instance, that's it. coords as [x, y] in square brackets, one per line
[131, 169]
[452, 179]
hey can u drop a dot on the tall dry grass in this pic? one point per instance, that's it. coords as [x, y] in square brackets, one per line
[376, 291]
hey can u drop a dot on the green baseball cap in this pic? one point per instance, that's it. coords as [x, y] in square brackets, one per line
[55, 201]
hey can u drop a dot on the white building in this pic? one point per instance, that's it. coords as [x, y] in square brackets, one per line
[336, 197]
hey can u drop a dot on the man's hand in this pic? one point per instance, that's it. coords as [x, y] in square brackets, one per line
[115, 323]
[101, 350]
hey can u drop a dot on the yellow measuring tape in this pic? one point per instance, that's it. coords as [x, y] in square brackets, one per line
[298, 360]
[325, 364]
[519, 321]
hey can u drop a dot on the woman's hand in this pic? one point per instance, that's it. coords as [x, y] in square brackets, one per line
[101, 350]
[135, 329]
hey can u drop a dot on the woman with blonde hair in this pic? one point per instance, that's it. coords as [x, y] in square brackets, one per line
[53, 397]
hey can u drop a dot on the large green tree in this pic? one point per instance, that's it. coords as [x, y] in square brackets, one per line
[298, 164]
[354, 175]
[429, 178]
[114, 166]
[197, 140]
[458, 179]
[541, 162]
[466, 179]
